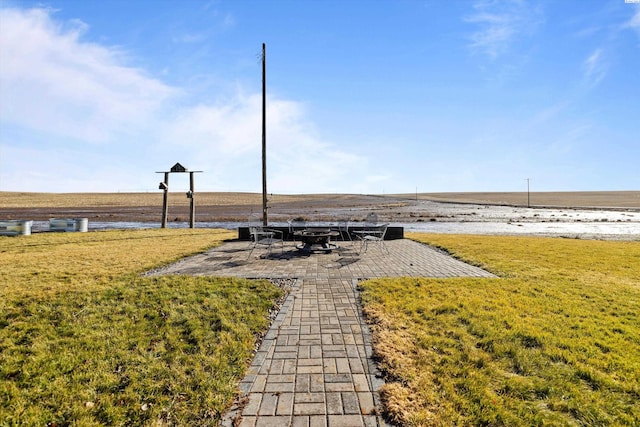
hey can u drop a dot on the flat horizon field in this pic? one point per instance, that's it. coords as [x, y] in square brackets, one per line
[603, 199]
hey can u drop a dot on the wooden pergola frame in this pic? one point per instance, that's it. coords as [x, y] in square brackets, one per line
[164, 185]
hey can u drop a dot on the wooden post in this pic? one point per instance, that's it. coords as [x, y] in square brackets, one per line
[165, 201]
[192, 211]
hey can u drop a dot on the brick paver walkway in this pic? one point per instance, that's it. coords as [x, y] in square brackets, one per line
[314, 366]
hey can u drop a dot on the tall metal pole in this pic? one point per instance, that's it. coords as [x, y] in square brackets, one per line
[528, 195]
[265, 221]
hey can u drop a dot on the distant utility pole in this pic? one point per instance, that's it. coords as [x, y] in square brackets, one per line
[528, 194]
[265, 221]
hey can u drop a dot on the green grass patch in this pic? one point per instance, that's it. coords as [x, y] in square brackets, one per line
[555, 341]
[84, 340]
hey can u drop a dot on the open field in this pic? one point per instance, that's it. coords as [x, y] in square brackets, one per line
[601, 199]
[77, 200]
[85, 340]
[616, 199]
[89, 200]
[210, 207]
[555, 341]
[147, 207]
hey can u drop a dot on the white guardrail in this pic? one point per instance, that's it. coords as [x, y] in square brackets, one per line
[15, 227]
[19, 227]
[69, 224]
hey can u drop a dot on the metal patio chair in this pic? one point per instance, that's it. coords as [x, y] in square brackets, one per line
[372, 233]
[295, 225]
[264, 236]
[343, 229]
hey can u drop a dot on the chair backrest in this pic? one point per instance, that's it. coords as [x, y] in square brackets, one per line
[254, 220]
[295, 224]
[383, 230]
[254, 230]
[372, 220]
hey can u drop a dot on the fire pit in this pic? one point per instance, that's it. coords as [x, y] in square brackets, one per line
[316, 239]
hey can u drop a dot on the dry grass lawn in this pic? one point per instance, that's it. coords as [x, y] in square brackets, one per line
[86, 341]
[554, 341]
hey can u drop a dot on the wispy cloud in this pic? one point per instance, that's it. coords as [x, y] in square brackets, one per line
[78, 107]
[595, 68]
[189, 38]
[500, 24]
[634, 22]
[53, 82]
[229, 21]
[550, 113]
[225, 139]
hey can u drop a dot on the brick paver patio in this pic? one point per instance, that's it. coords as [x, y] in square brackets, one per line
[314, 366]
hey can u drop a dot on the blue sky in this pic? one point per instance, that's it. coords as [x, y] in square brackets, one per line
[362, 96]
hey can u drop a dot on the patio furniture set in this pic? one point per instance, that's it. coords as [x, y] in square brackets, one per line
[310, 239]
